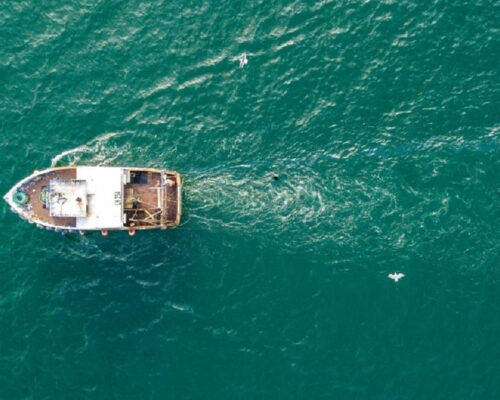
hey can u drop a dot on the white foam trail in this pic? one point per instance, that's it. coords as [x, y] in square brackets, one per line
[247, 200]
[93, 147]
[329, 205]
[65, 153]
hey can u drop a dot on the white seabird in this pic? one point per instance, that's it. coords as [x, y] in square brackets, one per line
[243, 60]
[396, 276]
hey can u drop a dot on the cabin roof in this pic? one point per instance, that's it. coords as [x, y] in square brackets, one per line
[105, 193]
[67, 198]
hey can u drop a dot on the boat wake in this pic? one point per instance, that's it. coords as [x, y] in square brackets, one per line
[99, 151]
[249, 200]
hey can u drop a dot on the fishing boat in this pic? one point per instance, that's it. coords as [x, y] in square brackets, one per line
[87, 198]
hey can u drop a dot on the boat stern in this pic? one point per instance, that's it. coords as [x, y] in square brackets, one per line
[179, 198]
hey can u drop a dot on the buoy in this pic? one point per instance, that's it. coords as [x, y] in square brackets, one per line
[104, 232]
[20, 198]
[82, 233]
[131, 231]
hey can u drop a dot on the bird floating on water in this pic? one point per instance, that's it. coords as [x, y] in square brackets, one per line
[243, 60]
[396, 276]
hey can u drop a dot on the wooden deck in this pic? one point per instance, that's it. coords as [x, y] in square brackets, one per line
[34, 188]
[141, 201]
[149, 204]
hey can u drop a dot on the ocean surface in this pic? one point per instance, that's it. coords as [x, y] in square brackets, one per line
[381, 120]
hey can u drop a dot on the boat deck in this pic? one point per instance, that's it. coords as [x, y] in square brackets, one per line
[34, 188]
[148, 203]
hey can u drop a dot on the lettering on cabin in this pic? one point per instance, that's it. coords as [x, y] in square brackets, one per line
[118, 198]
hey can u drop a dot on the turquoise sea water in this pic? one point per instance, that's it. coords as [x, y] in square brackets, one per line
[381, 119]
